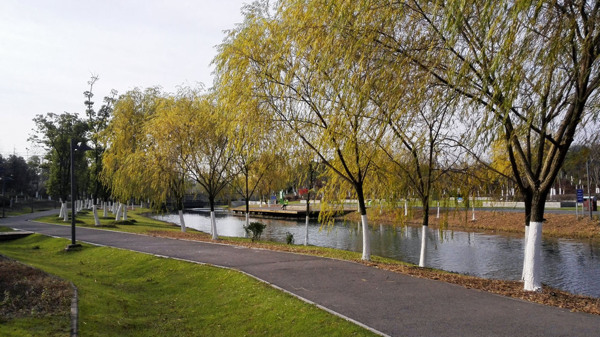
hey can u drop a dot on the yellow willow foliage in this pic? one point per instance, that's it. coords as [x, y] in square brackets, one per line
[206, 150]
[126, 140]
[168, 131]
[314, 79]
[530, 68]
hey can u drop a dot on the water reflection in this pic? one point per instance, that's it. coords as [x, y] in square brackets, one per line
[568, 264]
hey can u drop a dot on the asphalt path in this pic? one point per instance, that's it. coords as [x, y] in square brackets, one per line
[385, 302]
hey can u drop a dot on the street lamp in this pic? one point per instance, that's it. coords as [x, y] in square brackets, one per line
[80, 147]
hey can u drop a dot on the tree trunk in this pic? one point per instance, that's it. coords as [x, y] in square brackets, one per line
[181, 220]
[366, 253]
[118, 213]
[307, 218]
[247, 201]
[213, 222]
[61, 213]
[423, 255]
[124, 212]
[96, 219]
[533, 246]
[66, 213]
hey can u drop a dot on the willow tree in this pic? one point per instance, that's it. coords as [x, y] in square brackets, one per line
[126, 142]
[315, 83]
[530, 67]
[208, 153]
[252, 136]
[421, 142]
[165, 167]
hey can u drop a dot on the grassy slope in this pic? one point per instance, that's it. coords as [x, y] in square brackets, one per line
[123, 293]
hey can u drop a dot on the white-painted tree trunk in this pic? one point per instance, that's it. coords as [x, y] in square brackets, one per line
[533, 250]
[96, 219]
[405, 207]
[118, 213]
[66, 214]
[105, 209]
[306, 231]
[181, 221]
[61, 213]
[438, 210]
[213, 225]
[366, 254]
[247, 219]
[125, 212]
[524, 250]
[423, 256]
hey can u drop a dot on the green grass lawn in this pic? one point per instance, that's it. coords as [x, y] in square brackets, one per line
[124, 293]
[136, 222]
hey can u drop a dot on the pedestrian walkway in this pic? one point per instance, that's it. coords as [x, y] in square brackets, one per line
[386, 302]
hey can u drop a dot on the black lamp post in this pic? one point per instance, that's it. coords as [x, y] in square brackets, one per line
[80, 147]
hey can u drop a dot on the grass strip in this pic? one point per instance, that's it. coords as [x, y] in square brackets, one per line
[123, 293]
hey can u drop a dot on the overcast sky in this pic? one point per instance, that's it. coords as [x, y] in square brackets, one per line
[49, 50]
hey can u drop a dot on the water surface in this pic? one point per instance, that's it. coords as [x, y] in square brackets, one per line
[570, 265]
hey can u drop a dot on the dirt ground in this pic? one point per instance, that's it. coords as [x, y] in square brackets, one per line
[27, 291]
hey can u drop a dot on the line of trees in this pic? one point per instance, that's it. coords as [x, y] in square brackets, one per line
[349, 78]
[386, 100]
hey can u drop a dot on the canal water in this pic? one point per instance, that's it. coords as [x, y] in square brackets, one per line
[570, 265]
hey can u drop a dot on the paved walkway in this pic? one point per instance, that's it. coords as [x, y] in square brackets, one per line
[387, 302]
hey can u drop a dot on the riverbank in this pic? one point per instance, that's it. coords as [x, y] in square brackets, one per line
[498, 222]
[549, 296]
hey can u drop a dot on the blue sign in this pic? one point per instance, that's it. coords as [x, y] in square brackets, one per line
[579, 195]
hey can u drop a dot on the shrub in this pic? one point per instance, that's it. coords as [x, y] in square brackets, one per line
[256, 228]
[289, 238]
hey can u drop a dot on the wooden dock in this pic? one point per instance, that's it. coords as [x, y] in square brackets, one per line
[295, 211]
[276, 211]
